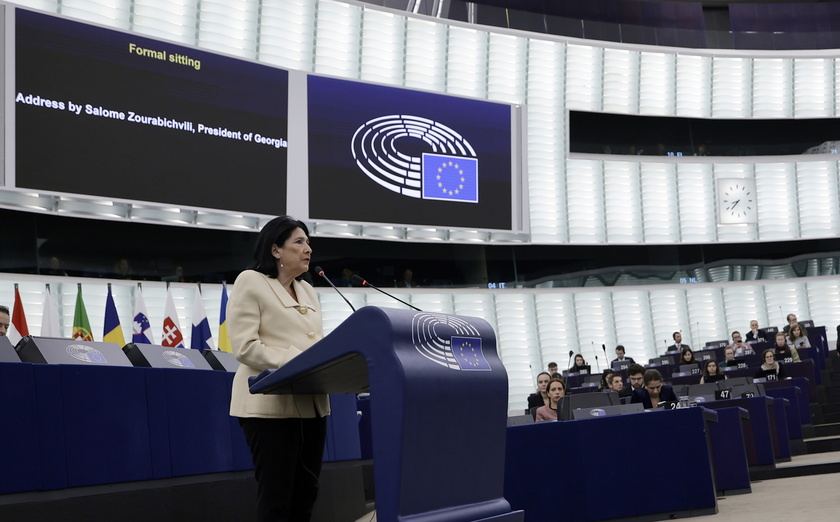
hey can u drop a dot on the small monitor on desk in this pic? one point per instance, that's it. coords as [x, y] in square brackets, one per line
[621, 365]
[580, 370]
[660, 361]
[689, 369]
[807, 324]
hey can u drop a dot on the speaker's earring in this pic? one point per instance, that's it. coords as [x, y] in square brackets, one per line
[281, 263]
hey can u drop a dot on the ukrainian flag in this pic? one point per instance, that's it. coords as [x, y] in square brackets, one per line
[224, 340]
[113, 330]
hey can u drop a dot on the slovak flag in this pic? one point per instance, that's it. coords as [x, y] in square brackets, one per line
[141, 328]
[201, 338]
[172, 336]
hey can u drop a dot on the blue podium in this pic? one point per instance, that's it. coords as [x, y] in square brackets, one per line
[438, 408]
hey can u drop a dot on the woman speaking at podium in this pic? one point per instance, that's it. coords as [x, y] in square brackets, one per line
[273, 318]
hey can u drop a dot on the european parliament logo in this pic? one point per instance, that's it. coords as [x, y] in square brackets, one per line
[449, 172]
[449, 341]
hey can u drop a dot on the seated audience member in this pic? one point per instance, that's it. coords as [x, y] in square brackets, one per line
[556, 389]
[741, 348]
[540, 398]
[711, 373]
[636, 377]
[729, 357]
[784, 350]
[687, 356]
[791, 319]
[552, 368]
[771, 369]
[797, 337]
[605, 380]
[619, 355]
[578, 364]
[653, 392]
[678, 345]
[616, 383]
[753, 334]
[5, 320]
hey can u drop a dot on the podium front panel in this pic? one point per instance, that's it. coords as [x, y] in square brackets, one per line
[156, 356]
[7, 351]
[52, 350]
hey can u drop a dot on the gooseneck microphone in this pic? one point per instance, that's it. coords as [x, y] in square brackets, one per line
[571, 354]
[320, 272]
[606, 359]
[361, 281]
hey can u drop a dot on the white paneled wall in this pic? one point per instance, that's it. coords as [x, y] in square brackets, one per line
[533, 327]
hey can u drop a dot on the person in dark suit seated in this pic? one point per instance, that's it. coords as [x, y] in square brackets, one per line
[636, 379]
[619, 355]
[711, 372]
[771, 369]
[678, 345]
[784, 350]
[578, 364]
[556, 389]
[654, 392]
[540, 398]
[687, 356]
[753, 334]
[791, 319]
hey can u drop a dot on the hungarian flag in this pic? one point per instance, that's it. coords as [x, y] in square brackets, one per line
[81, 324]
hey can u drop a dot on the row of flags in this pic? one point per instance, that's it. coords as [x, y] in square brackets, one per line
[201, 338]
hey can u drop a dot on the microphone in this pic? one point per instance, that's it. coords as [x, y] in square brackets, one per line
[363, 282]
[320, 272]
[571, 354]
[604, 347]
[782, 315]
[597, 366]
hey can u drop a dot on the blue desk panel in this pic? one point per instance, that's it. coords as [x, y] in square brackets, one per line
[759, 432]
[729, 452]
[19, 450]
[104, 441]
[791, 394]
[583, 489]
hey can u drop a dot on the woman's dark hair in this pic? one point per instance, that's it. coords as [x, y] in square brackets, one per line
[706, 368]
[275, 232]
[682, 355]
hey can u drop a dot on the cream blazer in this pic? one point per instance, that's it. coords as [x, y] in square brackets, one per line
[268, 328]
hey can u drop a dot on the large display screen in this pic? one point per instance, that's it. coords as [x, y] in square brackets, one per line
[387, 155]
[113, 114]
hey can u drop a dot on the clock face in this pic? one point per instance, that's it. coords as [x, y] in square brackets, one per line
[737, 201]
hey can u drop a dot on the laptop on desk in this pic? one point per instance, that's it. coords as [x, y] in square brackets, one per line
[607, 411]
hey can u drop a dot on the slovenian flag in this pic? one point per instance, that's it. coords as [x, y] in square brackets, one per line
[81, 324]
[141, 328]
[172, 336]
[201, 339]
[113, 330]
[224, 339]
